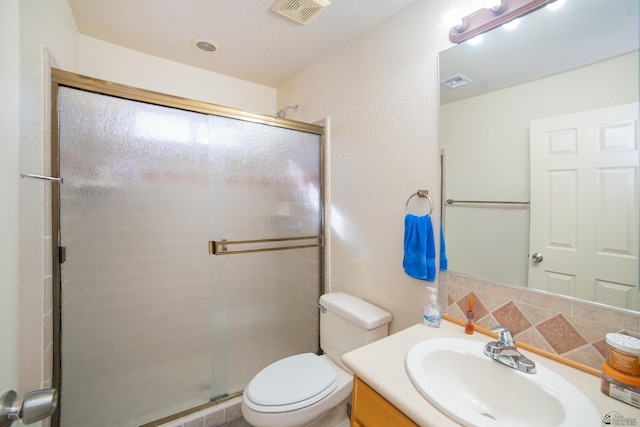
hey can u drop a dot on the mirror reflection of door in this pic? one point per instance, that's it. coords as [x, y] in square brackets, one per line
[584, 206]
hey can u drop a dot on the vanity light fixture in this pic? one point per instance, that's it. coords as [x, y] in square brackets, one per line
[486, 19]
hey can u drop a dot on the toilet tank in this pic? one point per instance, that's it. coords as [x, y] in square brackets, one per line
[347, 323]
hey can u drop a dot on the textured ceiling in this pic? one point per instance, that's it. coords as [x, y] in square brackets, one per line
[256, 44]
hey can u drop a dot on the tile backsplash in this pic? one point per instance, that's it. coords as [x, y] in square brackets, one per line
[564, 326]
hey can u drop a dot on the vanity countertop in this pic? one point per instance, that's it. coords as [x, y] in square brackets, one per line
[382, 366]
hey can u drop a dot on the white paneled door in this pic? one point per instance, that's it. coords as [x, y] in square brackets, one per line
[584, 206]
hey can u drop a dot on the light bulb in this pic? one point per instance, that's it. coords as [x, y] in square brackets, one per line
[512, 24]
[555, 5]
[499, 7]
[476, 40]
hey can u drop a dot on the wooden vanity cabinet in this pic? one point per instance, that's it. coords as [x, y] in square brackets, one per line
[372, 410]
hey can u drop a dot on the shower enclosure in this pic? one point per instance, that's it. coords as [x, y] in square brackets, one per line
[189, 250]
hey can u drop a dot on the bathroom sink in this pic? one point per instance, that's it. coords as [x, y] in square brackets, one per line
[457, 378]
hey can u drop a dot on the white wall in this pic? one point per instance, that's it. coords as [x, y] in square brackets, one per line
[381, 93]
[9, 129]
[479, 236]
[42, 24]
[121, 65]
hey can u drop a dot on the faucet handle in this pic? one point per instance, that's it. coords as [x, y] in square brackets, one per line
[504, 335]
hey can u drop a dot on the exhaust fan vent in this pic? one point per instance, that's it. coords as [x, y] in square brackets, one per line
[455, 81]
[300, 11]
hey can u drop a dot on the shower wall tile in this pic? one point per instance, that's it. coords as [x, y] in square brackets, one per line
[232, 413]
[195, 423]
[566, 327]
[47, 371]
[48, 62]
[216, 418]
[219, 415]
[47, 295]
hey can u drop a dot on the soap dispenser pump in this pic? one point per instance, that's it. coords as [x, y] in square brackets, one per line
[432, 313]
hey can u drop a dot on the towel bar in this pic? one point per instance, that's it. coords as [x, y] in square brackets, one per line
[220, 247]
[451, 202]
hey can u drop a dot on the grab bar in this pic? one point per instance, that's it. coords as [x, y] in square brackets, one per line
[221, 247]
[451, 202]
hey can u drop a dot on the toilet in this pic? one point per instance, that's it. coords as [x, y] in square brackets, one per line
[311, 390]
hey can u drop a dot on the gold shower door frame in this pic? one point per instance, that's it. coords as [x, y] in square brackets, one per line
[67, 79]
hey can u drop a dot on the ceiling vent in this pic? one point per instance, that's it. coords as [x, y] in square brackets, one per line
[300, 11]
[455, 81]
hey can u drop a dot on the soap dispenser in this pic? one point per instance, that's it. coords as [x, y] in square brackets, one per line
[432, 313]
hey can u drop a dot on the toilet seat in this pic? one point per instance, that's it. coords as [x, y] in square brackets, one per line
[291, 383]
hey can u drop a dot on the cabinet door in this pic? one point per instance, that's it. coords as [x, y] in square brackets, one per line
[372, 410]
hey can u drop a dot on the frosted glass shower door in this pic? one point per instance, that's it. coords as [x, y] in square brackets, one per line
[264, 183]
[151, 323]
[136, 298]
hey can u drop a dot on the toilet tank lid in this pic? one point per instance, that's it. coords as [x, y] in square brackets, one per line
[355, 310]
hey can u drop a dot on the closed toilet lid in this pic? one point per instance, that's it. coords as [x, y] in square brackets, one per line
[291, 383]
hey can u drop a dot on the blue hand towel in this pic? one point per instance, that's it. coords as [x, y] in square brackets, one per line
[444, 263]
[419, 248]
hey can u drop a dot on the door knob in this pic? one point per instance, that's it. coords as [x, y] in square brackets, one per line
[36, 406]
[537, 257]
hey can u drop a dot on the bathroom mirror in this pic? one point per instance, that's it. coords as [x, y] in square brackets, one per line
[578, 58]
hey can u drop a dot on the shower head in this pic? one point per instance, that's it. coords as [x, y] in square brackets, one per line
[282, 113]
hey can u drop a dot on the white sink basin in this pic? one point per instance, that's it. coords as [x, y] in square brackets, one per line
[456, 377]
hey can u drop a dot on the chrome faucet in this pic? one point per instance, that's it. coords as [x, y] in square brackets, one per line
[505, 351]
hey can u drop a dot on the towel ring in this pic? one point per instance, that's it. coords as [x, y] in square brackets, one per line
[423, 194]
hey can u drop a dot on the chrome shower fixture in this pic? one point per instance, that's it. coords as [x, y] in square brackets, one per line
[282, 113]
